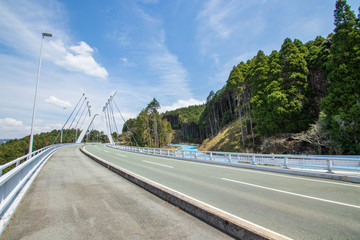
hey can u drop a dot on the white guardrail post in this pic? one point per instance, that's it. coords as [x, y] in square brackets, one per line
[253, 160]
[329, 165]
[286, 159]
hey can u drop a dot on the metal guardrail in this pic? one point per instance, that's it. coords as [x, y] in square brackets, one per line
[14, 180]
[18, 160]
[328, 164]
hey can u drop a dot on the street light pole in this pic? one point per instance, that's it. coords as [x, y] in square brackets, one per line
[36, 89]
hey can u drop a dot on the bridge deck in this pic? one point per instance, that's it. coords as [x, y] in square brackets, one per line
[76, 198]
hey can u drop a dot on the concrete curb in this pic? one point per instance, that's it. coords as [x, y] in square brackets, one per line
[292, 171]
[229, 224]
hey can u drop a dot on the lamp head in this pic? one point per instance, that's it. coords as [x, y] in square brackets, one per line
[46, 34]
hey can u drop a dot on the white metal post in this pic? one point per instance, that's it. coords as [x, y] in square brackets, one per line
[286, 163]
[329, 165]
[253, 160]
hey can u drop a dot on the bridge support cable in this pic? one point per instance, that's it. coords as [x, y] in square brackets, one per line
[82, 123]
[132, 135]
[106, 122]
[83, 133]
[107, 119]
[83, 95]
[75, 117]
[82, 115]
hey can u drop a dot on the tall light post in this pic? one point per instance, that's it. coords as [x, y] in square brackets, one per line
[36, 89]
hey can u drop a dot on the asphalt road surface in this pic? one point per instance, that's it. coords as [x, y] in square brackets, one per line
[74, 197]
[296, 207]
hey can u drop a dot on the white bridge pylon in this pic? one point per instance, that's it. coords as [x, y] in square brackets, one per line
[110, 123]
[83, 133]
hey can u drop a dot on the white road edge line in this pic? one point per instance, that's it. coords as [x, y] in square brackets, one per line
[291, 193]
[121, 155]
[106, 151]
[194, 199]
[259, 171]
[163, 165]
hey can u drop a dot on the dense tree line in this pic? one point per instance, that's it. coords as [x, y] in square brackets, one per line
[148, 129]
[186, 121]
[16, 148]
[312, 88]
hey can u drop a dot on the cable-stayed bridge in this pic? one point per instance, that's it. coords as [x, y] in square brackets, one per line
[60, 192]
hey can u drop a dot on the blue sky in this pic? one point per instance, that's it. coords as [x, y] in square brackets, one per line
[174, 50]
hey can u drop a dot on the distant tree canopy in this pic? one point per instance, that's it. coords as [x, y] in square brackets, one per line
[186, 114]
[148, 128]
[19, 147]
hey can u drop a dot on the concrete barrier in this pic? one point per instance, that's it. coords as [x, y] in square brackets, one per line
[227, 223]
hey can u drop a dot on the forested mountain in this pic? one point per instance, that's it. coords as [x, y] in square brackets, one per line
[311, 89]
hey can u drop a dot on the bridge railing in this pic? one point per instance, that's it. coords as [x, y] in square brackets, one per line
[14, 180]
[20, 159]
[327, 163]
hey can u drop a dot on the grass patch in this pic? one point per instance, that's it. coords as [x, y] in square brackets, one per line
[227, 140]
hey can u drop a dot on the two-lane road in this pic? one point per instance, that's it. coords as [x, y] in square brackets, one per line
[296, 207]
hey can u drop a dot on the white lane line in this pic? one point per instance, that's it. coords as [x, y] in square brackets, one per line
[106, 151]
[158, 164]
[291, 193]
[120, 155]
[259, 171]
[194, 199]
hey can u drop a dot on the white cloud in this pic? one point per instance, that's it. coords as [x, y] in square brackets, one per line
[10, 122]
[12, 128]
[77, 58]
[181, 104]
[82, 49]
[58, 102]
[22, 32]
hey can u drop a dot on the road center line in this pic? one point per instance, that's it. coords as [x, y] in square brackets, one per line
[291, 193]
[121, 155]
[158, 164]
